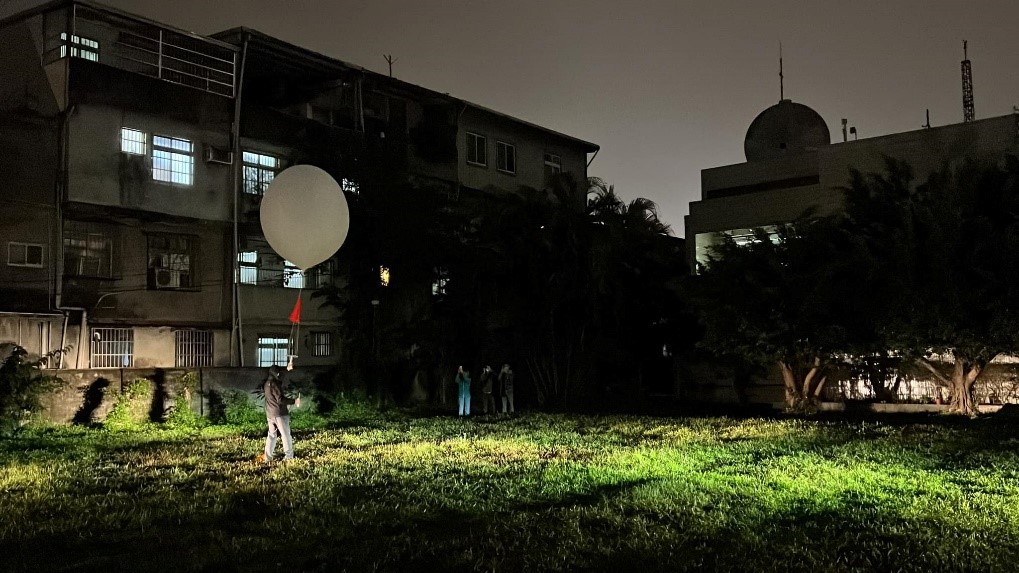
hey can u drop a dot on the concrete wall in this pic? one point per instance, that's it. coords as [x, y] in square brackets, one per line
[89, 395]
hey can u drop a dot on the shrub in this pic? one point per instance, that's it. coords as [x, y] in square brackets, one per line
[240, 410]
[182, 415]
[22, 385]
[132, 407]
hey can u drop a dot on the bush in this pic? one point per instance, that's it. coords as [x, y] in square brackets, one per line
[240, 410]
[182, 416]
[131, 410]
[22, 385]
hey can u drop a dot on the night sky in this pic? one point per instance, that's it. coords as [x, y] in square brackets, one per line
[666, 88]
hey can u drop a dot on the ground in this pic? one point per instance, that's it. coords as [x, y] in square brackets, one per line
[403, 492]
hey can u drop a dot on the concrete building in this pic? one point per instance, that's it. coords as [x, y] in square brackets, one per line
[134, 156]
[793, 167]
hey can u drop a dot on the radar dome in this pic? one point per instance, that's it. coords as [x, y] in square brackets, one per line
[783, 128]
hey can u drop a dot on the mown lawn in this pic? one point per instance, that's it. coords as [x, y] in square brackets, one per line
[396, 492]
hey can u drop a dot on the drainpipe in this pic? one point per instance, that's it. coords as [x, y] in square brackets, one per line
[238, 327]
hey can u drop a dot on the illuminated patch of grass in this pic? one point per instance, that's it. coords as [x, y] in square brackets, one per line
[394, 492]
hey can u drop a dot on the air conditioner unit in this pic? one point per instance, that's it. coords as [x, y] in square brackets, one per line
[217, 155]
[167, 278]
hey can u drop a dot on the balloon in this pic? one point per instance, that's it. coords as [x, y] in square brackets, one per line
[304, 215]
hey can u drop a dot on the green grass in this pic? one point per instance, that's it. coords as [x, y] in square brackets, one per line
[539, 492]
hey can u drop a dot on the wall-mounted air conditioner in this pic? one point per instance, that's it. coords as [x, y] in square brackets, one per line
[217, 155]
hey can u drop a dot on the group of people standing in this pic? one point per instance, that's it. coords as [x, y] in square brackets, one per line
[486, 382]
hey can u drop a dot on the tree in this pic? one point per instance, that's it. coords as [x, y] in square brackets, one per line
[22, 385]
[779, 299]
[944, 256]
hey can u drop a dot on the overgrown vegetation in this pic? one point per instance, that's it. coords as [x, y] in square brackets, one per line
[23, 383]
[535, 492]
[131, 410]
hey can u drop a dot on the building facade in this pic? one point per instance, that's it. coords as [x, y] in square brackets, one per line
[135, 155]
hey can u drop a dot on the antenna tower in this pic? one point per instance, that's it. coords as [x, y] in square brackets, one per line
[967, 86]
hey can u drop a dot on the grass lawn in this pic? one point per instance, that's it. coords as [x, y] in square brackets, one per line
[395, 492]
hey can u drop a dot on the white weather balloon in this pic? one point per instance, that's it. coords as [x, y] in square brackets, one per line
[304, 215]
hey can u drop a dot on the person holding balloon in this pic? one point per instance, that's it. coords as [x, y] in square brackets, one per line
[277, 415]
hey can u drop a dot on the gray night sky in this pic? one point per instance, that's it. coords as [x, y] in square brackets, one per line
[667, 88]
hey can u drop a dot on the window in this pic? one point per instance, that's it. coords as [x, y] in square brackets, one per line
[350, 186]
[476, 149]
[259, 171]
[193, 348]
[172, 261]
[321, 275]
[505, 157]
[81, 47]
[322, 344]
[88, 250]
[553, 167]
[133, 141]
[292, 276]
[440, 281]
[173, 160]
[272, 350]
[24, 255]
[384, 276]
[248, 267]
[112, 348]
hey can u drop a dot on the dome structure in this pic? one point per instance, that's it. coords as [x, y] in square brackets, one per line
[783, 128]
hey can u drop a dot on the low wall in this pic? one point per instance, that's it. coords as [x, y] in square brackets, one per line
[88, 395]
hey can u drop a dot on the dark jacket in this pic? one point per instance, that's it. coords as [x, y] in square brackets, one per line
[486, 381]
[506, 382]
[275, 402]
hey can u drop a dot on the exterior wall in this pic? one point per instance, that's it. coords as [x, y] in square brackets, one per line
[531, 145]
[38, 334]
[99, 173]
[26, 85]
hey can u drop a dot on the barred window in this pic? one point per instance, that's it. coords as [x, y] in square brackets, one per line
[80, 47]
[272, 350]
[172, 261]
[322, 344]
[173, 160]
[259, 171]
[292, 276]
[248, 267]
[133, 141]
[112, 348]
[193, 348]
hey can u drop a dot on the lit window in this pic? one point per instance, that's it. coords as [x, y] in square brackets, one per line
[112, 348]
[81, 47]
[173, 160]
[292, 276]
[477, 149]
[133, 141]
[505, 157]
[259, 171]
[172, 261]
[193, 348]
[88, 250]
[248, 267]
[384, 276]
[350, 186]
[440, 281]
[272, 350]
[24, 255]
[322, 344]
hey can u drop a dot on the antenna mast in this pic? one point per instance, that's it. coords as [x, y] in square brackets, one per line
[781, 78]
[967, 86]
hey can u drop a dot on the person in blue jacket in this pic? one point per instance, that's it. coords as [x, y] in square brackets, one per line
[463, 382]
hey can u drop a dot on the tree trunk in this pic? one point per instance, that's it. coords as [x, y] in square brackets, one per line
[964, 377]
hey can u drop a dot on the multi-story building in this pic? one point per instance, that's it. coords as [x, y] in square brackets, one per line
[793, 168]
[134, 156]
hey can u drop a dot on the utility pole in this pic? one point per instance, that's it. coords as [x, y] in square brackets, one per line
[967, 86]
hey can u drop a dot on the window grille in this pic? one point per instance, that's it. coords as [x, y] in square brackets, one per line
[292, 276]
[172, 261]
[193, 348]
[80, 47]
[248, 267]
[322, 344]
[112, 348]
[88, 250]
[133, 141]
[259, 171]
[272, 350]
[173, 160]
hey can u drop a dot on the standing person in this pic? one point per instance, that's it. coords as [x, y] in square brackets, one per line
[277, 415]
[463, 382]
[506, 387]
[487, 377]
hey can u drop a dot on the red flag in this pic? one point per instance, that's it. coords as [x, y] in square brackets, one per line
[295, 315]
